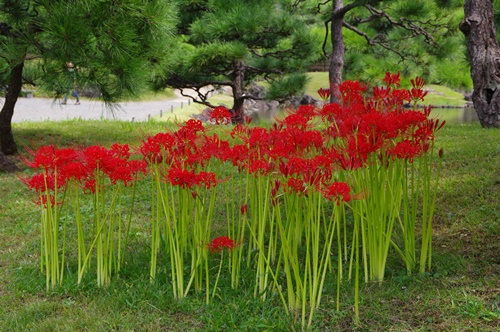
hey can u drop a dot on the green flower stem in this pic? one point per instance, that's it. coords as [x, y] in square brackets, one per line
[259, 202]
[80, 232]
[218, 274]
[428, 204]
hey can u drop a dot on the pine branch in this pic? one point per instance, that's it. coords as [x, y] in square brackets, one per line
[413, 26]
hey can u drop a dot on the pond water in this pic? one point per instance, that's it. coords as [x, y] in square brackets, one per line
[456, 115]
[451, 115]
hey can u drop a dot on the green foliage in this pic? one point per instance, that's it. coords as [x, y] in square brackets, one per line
[413, 9]
[450, 72]
[115, 45]
[226, 41]
[400, 50]
[286, 85]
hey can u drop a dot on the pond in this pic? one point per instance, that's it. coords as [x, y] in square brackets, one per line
[451, 115]
[456, 115]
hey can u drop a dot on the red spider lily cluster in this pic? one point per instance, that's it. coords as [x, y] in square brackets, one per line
[312, 153]
[59, 166]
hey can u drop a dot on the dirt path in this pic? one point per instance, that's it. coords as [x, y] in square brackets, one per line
[41, 109]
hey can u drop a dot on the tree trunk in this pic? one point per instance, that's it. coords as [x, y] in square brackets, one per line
[338, 48]
[7, 143]
[484, 58]
[238, 99]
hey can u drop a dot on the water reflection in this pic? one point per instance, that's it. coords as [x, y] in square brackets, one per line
[456, 115]
[451, 115]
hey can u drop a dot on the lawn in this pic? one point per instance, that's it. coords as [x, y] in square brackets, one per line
[460, 293]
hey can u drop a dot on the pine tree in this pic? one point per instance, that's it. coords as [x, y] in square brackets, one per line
[403, 31]
[117, 46]
[234, 42]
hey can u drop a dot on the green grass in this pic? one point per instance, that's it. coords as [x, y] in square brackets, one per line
[443, 96]
[461, 293]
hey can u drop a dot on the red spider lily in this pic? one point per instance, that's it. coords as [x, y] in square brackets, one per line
[240, 131]
[406, 149]
[325, 93]
[295, 142]
[259, 167]
[188, 179]
[50, 158]
[424, 133]
[352, 92]
[41, 182]
[96, 157]
[244, 209]
[295, 185]
[329, 112]
[392, 80]
[219, 243]
[128, 171]
[238, 154]
[295, 120]
[294, 165]
[379, 124]
[381, 93]
[337, 191]
[215, 147]
[75, 170]
[364, 144]
[120, 151]
[312, 175]
[417, 94]
[259, 138]
[408, 119]
[350, 162]
[208, 179]
[154, 148]
[398, 97]
[307, 111]
[324, 162]
[417, 82]
[220, 115]
[181, 177]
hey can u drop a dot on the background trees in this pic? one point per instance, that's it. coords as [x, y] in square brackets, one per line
[116, 45]
[414, 37]
[234, 42]
[119, 46]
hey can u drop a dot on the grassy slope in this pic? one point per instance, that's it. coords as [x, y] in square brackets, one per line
[460, 294]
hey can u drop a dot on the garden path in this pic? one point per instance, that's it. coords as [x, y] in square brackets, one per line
[42, 109]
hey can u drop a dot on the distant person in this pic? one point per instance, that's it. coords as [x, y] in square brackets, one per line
[71, 84]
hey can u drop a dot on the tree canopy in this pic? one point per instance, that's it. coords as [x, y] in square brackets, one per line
[414, 37]
[116, 45]
[234, 42]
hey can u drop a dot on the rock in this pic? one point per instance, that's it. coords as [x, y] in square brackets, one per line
[297, 101]
[256, 91]
[260, 109]
[7, 165]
